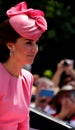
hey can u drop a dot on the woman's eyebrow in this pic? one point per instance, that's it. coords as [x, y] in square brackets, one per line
[29, 39]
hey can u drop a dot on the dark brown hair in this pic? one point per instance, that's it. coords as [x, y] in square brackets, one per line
[7, 34]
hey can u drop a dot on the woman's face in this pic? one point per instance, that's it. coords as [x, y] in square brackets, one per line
[25, 50]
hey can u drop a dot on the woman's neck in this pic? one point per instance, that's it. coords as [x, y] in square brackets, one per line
[13, 68]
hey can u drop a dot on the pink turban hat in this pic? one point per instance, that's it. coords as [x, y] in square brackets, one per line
[29, 23]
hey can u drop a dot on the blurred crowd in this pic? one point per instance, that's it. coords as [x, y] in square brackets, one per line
[55, 96]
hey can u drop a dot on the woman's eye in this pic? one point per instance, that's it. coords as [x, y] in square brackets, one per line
[29, 42]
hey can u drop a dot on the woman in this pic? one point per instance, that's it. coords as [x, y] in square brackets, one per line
[18, 46]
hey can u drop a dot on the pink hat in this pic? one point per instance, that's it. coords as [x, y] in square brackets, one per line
[29, 23]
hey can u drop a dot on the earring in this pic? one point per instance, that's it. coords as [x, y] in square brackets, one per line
[11, 52]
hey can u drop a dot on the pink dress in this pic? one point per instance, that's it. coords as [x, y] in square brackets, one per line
[15, 96]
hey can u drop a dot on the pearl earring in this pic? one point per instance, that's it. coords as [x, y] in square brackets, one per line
[11, 52]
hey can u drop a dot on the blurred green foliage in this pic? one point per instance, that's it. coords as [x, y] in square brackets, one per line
[61, 21]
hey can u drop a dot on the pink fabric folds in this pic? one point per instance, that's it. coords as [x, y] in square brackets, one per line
[29, 23]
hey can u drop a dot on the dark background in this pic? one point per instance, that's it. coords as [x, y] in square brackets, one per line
[49, 58]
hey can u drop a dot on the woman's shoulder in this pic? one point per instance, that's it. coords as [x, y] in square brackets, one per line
[26, 74]
[2, 70]
[28, 77]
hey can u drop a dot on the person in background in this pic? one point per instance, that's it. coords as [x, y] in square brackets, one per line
[36, 77]
[65, 73]
[44, 92]
[19, 36]
[64, 104]
[34, 87]
[44, 83]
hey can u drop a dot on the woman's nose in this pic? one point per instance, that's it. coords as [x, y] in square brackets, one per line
[35, 48]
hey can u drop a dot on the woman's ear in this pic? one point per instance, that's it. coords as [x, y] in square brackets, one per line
[10, 46]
